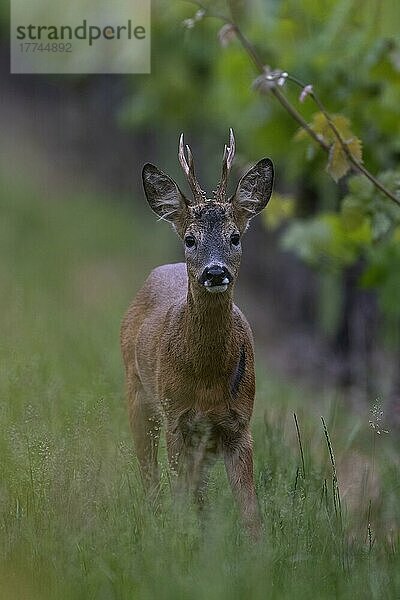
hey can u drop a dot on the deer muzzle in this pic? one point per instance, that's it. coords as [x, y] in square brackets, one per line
[216, 278]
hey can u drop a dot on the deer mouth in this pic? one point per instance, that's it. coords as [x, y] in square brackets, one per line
[214, 288]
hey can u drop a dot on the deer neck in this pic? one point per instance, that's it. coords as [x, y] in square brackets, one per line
[208, 329]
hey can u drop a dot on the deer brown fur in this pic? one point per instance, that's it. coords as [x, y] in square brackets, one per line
[188, 353]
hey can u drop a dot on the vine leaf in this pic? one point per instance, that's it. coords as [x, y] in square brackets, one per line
[338, 162]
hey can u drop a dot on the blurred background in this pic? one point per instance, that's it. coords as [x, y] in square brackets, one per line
[320, 276]
[322, 293]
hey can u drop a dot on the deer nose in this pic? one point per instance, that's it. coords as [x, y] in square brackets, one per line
[216, 275]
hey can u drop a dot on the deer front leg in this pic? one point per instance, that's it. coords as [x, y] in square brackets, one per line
[175, 450]
[238, 457]
[145, 424]
[191, 458]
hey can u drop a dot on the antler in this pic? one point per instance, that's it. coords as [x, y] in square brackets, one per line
[188, 168]
[227, 160]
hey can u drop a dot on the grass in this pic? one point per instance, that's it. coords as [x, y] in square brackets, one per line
[74, 523]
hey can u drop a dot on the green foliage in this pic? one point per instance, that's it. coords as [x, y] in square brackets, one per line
[364, 200]
[383, 274]
[281, 208]
[338, 163]
[350, 56]
[351, 60]
[368, 228]
[175, 95]
[367, 218]
[327, 241]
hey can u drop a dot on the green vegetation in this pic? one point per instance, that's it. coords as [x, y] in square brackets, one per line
[203, 79]
[74, 523]
[73, 520]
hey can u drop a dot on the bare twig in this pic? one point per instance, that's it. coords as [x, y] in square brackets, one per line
[296, 115]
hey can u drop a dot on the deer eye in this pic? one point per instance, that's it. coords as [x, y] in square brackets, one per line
[235, 239]
[190, 241]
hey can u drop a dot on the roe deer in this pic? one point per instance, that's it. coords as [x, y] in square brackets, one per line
[187, 349]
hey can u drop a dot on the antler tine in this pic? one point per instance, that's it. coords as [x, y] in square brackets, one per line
[190, 158]
[181, 155]
[188, 168]
[227, 160]
[231, 150]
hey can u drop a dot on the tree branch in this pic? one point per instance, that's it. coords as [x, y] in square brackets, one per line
[255, 58]
[357, 165]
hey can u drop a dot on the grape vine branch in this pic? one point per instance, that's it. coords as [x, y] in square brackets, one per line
[272, 81]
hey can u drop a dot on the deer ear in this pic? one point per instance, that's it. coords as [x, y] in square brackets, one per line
[164, 196]
[253, 192]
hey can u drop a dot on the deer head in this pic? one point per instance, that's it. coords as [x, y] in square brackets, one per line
[211, 229]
